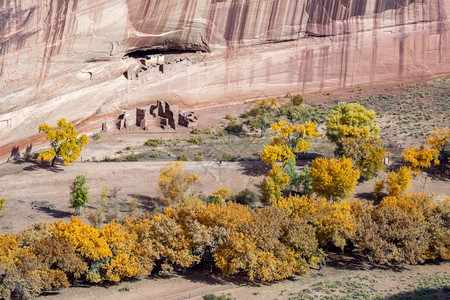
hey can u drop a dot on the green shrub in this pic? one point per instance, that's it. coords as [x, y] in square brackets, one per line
[182, 157]
[246, 197]
[195, 131]
[234, 127]
[297, 100]
[229, 117]
[80, 193]
[198, 157]
[225, 157]
[214, 297]
[221, 133]
[110, 159]
[128, 148]
[214, 200]
[154, 142]
[194, 140]
[131, 157]
[96, 136]
[155, 154]
[208, 131]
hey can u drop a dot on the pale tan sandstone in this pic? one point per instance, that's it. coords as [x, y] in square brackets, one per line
[66, 58]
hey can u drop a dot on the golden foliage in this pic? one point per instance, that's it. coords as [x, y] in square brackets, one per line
[439, 139]
[272, 186]
[332, 221]
[291, 138]
[2, 205]
[175, 183]
[86, 239]
[397, 183]
[419, 158]
[351, 120]
[222, 193]
[333, 179]
[378, 188]
[352, 128]
[64, 142]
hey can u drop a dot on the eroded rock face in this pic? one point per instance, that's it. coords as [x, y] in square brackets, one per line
[65, 58]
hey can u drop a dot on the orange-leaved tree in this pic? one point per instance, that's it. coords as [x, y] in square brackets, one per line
[64, 142]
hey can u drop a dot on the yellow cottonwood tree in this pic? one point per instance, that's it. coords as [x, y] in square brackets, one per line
[175, 183]
[272, 186]
[397, 183]
[422, 157]
[333, 179]
[64, 142]
[291, 138]
[352, 128]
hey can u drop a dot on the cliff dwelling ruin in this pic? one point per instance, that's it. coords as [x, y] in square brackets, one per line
[153, 118]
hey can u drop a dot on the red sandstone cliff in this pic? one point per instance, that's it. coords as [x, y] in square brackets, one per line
[65, 58]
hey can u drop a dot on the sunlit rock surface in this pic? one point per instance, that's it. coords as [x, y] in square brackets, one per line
[67, 58]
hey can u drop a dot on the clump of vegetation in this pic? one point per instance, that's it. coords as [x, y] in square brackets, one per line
[208, 131]
[194, 140]
[234, 127]
[96, 136]
[221, 133]
[229, 117]
[80, 193]
[195, 131]
[182, 157]
[246, 197]
[154, 142]
[2, 205]
[225, 157]
[198, 157]
[131, 157]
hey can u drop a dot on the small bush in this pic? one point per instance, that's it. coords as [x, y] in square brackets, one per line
[96, 217]
[208, 131]
[2, 205]
[131, 157]
[214, 297]
[198, 157]
[225, 157]
[235, 127]
[214, 200]
[155, 154]
[182, 157]
[195, 131]
[128, 148]
[246, 197]
[154, 142]
[194, 140]
[297, 100]
[221, 133]
[229, 117]
[110, 159]
[96, 136]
